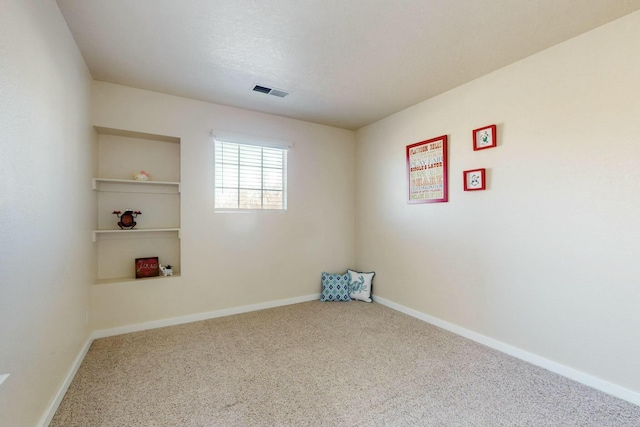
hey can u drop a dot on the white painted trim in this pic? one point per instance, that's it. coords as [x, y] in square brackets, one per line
[103, 333]
[581, 377]
[62, 390]
[558, 368]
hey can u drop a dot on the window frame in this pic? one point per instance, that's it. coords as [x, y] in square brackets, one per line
[263, 144]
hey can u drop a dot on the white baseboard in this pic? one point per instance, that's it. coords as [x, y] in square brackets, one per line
[62, 390]
[581, 377]
[103, 333]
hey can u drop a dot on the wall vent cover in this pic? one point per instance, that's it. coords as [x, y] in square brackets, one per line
[269, 91]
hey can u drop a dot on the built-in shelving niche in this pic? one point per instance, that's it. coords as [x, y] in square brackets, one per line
[122, 154]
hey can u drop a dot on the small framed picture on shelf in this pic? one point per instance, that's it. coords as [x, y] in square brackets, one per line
[485, 137]
[147, 267]
[475, 179]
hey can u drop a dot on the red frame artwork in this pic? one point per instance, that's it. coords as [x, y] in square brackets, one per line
[427, 171]
[485, 137]
[147, 267]
[474, 179]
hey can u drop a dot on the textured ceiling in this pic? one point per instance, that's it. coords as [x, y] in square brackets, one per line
[346, 63]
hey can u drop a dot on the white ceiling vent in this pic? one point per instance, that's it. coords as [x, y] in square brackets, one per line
[269, 91]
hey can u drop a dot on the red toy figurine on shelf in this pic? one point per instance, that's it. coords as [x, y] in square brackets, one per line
[126, 218]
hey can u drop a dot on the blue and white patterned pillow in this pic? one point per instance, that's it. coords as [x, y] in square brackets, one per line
[335, 287]
[360, 285]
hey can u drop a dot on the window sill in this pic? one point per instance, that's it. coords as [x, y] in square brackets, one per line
[249, 211]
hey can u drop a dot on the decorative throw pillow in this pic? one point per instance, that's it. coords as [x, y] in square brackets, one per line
[360, 285]
[335, 287]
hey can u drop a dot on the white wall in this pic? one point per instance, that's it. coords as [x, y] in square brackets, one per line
[543, 260]
[233, 260]
[546, 259]
[46, 160]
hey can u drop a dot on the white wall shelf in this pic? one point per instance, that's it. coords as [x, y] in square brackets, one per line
[132, 183]
[130, 280]
[96, 233]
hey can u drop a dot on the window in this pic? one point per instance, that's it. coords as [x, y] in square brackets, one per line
[250, 177]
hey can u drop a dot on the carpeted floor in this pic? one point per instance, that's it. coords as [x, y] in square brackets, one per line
[322, 364]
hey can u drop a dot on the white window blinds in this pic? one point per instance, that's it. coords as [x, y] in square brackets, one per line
[250, 177]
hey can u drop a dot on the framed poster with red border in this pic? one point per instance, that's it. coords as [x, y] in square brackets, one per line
[147, 267]
[427, 171]
[485, 137]
[474, 179]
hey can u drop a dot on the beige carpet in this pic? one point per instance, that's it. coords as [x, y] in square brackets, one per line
[321, 364]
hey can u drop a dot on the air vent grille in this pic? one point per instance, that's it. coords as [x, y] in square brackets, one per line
[269, 91]
[261, 89]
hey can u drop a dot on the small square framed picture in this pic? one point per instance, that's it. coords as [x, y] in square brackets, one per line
[475, 179]
[485, 137]
[147, 267]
